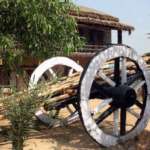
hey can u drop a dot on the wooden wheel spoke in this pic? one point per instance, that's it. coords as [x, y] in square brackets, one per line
[43, 79]
[70, 72]
[140, 105]
[132, 112]
[102, 105]
[105, 114]
[123, 121]
[117, 71]
[73, 117]
[123, 71]
[107, 79]
[52, 73]
[133, 78]
[139, 85]
[116, 123]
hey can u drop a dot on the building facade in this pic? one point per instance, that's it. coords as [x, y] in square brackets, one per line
[96, 27]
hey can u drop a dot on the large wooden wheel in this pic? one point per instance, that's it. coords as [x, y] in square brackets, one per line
[53, 69]
[114, 95]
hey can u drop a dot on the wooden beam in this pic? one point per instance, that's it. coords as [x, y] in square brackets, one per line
[94, 27]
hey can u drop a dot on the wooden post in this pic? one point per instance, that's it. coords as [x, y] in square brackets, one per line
[123, 110]
[117, 61]
[119, 36]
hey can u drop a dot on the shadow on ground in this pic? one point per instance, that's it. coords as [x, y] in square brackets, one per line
[75, 137]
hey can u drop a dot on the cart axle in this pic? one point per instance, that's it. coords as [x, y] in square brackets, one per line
[123, 96]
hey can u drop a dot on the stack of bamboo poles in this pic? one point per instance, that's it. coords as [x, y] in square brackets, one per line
[49, 92]
[64, 88]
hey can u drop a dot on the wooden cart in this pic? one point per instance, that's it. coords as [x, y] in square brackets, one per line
[110, 95]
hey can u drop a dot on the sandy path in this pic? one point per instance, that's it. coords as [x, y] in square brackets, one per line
[75, 138]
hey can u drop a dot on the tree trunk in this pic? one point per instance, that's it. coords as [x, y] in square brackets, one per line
[17, 144]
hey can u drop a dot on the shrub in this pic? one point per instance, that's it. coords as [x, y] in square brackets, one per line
[20, 109]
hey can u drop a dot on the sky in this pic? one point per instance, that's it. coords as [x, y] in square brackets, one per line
[132, 12]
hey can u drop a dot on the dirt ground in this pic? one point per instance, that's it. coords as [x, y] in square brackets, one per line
[74, 137]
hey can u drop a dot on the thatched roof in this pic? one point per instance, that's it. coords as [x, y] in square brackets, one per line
[94, 17]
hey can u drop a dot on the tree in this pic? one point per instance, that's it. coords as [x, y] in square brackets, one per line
[39, 28]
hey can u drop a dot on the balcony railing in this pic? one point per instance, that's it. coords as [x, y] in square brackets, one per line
[92, 48]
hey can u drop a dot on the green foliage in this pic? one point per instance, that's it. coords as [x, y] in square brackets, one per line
[20, 109]
[38, 28]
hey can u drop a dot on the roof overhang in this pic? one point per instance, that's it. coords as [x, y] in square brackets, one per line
[111, 24]
[90, 16]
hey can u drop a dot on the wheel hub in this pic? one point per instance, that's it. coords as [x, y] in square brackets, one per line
[123, 96]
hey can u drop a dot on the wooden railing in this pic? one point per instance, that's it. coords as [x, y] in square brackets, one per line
[92, 48]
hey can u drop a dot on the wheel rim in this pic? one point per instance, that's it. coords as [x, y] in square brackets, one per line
[86, 82]
[38, 75]
[48, 64]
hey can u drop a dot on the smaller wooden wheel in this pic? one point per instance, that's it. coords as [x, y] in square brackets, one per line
[50, 70]
[114, 95]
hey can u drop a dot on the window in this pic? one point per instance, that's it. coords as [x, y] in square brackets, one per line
[94, 37]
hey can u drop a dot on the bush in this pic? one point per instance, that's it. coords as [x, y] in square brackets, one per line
[20, 109]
